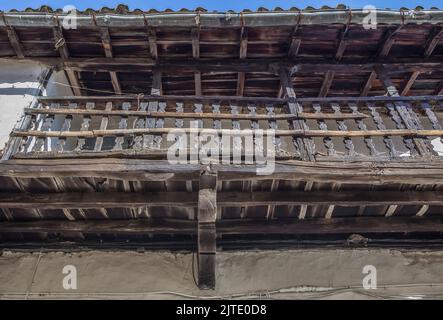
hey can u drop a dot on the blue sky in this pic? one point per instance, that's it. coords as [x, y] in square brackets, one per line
[221, 5]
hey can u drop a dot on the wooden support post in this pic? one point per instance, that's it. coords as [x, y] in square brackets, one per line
[107, 46]
[207, 216]
[403, 113]
[304, 146]
[243, 54]
[152, 38]
[195, 37]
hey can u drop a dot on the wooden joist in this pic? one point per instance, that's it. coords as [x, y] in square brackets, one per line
[302, 66]
[76, 200]
[345, 226]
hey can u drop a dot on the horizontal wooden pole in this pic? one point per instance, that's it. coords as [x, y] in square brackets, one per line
[229, 132]
[403, 171]
[360, 225]
[226, 116]
[75, 200]
[300, 65]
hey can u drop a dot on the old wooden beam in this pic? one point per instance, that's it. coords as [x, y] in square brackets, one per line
[304, 147]
[206, 217]
[107, 47]
[326, 85]
[368, 84]
[226, 116]
[388, 41]
[152, 38]
[302, 66]
[242, 55]
[15, 42]
[302, 133]
[433, 40]
[60, 44]
[195, 37]
[75, 200]
[359, 225]
[403, 112]
[410, 83]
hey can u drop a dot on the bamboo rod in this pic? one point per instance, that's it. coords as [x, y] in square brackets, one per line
[128, 113]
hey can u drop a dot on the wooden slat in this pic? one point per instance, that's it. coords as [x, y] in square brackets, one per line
[107, 46]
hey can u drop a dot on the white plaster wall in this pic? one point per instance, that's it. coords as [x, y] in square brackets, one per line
[313, 273]
[19, 84]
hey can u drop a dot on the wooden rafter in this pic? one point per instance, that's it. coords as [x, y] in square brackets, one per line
[388, 41]
[15, 42]
[410, 83]
[107, 46]
[433, 41]
[60, 44]
[326, 85]
[368, 84]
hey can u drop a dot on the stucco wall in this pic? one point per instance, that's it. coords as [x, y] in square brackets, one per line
[19, 83]
[325, 273]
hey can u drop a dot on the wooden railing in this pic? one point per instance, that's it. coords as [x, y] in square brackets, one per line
[344, 128]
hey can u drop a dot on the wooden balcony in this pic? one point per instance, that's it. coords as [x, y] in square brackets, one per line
[309, 129]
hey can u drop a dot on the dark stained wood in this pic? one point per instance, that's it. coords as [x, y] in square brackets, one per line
[206, 217]
[15, 42]
[107, 46]
[327, 82]
[388, 41]
[361, 225]
[410, 83]
[242, 55]
[433, 41]
[368, 85]
[60, 44]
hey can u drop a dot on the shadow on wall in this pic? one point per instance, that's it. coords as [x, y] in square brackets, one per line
[11, 91]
